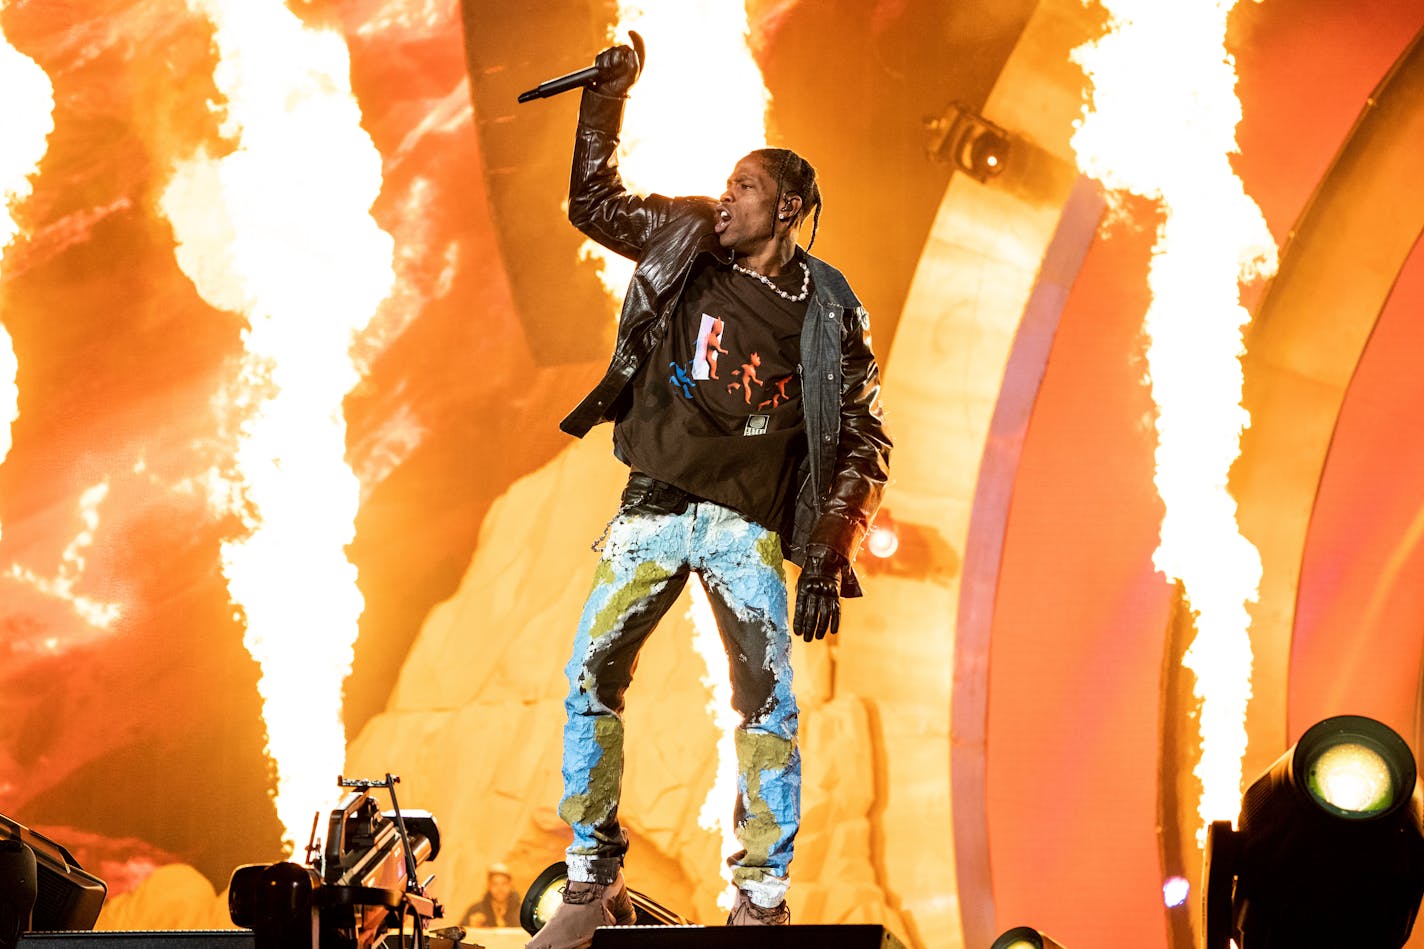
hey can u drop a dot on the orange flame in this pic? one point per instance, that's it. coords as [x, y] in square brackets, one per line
[279, 229]
[717, 807]
[27, 116]
[1162, 124]
[9, 392]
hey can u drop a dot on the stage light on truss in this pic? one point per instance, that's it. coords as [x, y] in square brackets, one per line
[882, 540]
[546, 894]
[968, 141]
[1329, 850]
[1024, 937]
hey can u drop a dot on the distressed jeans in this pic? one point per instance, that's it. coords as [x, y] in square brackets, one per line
[644, 566]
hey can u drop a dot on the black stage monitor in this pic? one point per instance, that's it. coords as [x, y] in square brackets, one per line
[67, 898]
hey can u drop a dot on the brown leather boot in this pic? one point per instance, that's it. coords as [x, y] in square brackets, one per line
[586, 906]
[746, 913]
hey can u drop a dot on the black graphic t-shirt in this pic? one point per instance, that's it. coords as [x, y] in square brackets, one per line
[716, 410]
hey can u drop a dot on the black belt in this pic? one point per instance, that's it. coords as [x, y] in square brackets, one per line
[645, 495]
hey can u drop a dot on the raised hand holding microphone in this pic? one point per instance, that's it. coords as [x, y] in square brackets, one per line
[613, 72]
[619, 67]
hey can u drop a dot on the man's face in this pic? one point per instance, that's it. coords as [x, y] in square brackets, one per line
[744, 220]
[499, 886]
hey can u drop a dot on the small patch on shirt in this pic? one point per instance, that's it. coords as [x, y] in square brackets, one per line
[757, 424]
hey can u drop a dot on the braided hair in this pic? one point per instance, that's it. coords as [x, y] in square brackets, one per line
[794, 175]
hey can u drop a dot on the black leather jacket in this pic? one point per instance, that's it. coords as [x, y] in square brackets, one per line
[849, 450]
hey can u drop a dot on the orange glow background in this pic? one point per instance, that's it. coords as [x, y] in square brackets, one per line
[141, 746]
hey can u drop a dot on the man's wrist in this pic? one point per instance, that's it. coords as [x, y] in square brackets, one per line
[838, 533]
[601, 110]
[825, 561]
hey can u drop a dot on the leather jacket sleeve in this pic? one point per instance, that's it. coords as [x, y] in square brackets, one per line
[599, 204]
[862, 463]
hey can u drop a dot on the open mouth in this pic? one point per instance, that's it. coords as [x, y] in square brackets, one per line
[724, 218]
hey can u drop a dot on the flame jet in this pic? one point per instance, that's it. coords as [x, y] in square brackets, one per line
[27, 116]
[717, 808]
[1161, 123]
[278, 228]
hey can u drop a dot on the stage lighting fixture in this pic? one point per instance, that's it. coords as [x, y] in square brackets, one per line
[882, 540]
[1024, 937]
[1175, 892]
[546, 893]
[1329, 848]
[969, 141]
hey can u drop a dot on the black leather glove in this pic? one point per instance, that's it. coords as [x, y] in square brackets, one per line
[622, 66]
[818, 594]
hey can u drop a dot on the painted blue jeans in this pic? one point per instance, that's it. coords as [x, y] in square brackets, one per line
[644, 567]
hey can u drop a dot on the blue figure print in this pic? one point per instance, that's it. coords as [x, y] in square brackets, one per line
[681, 378]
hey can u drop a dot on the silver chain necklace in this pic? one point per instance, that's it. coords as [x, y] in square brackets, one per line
[805, 282]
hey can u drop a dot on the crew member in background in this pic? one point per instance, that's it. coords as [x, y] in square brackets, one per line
[499, 907]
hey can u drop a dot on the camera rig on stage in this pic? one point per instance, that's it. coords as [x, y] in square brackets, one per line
[355, 892]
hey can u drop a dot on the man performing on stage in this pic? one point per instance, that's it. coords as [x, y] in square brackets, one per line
[745, 400]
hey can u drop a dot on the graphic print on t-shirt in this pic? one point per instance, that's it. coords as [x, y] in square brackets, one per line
[709, 346]
[681, 379]
[748, 377]
[746, 385]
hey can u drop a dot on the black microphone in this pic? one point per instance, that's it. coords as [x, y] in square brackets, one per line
[573, 80]
[581, 78]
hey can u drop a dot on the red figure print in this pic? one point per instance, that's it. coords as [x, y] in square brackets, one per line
[748, 374]
[780, 395]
